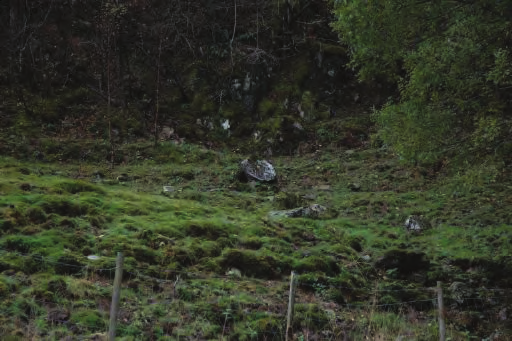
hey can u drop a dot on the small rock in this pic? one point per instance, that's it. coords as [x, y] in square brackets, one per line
[234, 272]
[503, 314]
[123, 178]
[311, 211]
[309, 196]
[323, 187]
[225, 125]
[168, 189]
[416, 224]
[354, 187]
[298, 126]
[166, 133]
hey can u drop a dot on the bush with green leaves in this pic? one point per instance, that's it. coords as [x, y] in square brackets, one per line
[451, 64]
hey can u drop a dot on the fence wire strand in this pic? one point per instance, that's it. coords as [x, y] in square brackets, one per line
[187, 295]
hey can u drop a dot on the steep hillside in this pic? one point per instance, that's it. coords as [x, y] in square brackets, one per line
[122, 128]
[207, 258]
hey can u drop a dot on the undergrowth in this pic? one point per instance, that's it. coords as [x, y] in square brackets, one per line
[210, 225]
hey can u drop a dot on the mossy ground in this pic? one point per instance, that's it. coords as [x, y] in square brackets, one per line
[234, 261]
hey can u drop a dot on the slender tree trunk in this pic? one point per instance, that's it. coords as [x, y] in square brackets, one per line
[157, 109]
[109, 97]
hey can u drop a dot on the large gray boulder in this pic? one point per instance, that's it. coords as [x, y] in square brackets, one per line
[260, 170]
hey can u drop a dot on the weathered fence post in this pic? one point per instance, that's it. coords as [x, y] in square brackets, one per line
[291, 305]
[440, 306]
[115, 297]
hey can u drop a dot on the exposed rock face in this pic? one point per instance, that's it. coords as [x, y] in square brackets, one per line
[260, 170]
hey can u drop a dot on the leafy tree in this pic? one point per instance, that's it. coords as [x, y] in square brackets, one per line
[451, 61]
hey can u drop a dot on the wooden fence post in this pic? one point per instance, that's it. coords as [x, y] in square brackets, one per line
[116, 295]
[291, 305]
[440, 306]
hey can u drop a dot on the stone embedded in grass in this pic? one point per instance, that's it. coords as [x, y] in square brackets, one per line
[325, 188]
[167, 189]
[311, 211]
[354, 187]
[234, 272]
[417, 224]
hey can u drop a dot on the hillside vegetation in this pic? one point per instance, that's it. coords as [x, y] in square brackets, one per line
[122, 129]
[233, 260]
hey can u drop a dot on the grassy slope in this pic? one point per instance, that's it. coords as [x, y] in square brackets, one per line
[212, 224]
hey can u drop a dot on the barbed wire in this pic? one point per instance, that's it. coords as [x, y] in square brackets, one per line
[333, 317]
[54, 261]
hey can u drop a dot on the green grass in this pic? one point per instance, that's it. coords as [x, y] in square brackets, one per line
[233, 261]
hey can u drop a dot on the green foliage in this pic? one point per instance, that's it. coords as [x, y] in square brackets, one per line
[451, 63]
[301, 70]
[267, 108]
[36, 215]
[232, 260]
[66, 207]
[78, 186]
[88, 319]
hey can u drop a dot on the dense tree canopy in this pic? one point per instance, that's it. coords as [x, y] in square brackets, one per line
[451, 61]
